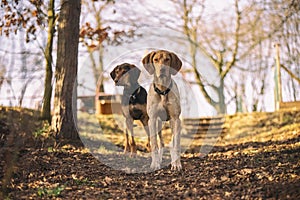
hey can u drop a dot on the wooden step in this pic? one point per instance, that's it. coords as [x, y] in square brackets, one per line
[204, 127]
[204, 134]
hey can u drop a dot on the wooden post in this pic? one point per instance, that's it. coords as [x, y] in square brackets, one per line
[278, 89]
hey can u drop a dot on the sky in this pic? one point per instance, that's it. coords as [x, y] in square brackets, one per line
[133, 53]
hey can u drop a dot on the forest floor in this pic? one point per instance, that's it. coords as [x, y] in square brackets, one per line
[258, 157]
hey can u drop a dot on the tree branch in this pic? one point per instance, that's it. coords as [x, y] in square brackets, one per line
[290, 73]
[230, 64]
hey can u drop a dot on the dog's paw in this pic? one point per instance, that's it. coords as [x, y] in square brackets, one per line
[133, 155]
[176, 165]
[155, 165]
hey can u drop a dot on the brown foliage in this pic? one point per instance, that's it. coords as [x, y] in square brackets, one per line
[95, 34]
[22, 14]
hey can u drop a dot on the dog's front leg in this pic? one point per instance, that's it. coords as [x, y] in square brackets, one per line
[175, 149]
[126, 144]
[146, 128]
[161, 141]
[132, 145]
[155, 164]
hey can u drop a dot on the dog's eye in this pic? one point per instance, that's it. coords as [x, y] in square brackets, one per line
[167, 59]
[155, 59]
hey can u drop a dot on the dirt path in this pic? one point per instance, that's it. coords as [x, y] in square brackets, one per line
[227, 173]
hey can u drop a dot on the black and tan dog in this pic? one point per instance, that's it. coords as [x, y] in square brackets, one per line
[134, 102]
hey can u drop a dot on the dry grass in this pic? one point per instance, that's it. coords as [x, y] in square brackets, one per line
[240, 129]
[262, 127]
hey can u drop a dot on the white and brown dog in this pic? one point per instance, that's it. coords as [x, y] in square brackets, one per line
[163, 104]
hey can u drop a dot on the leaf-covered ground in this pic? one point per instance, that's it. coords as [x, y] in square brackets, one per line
[257, 158]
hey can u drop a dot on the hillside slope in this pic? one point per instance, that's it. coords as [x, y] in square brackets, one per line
[257, 158]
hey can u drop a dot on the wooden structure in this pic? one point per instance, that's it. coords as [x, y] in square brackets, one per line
[278, 88]
[294, 105]
[279, 104]
[107, 104]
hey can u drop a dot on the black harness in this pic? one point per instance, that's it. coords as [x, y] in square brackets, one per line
[133, 98]
[130, 97]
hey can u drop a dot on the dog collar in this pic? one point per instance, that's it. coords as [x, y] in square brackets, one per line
[158, 91]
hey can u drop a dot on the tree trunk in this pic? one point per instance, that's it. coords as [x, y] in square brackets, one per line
[221, 108]
[100, 70]
[2, 75]
[46, 110]
[24, 71]
[63, 120]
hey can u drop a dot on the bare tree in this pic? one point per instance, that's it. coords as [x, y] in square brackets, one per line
[30, 16]
[231, 43]
[216, 45]
[92, 36]
[2, 70]
[2, 74]
[288, 37]
[257, 63]
[97, 33]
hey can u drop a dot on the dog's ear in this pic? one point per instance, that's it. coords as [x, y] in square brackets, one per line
[175, 63]
[148, 62]
[113, 73]
[135, 73]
